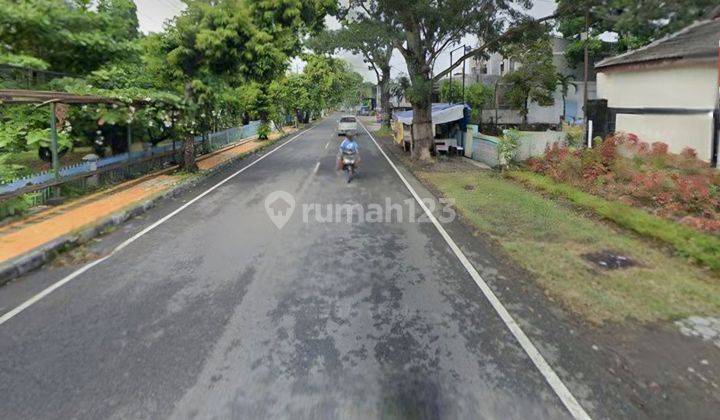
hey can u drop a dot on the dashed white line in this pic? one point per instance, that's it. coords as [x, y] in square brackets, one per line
[317, 166]
[39, 296]
[327, 145]
[567, 398]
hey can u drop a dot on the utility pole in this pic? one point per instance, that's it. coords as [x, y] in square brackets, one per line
[717, 115]
[465, 51]
[54, 141]
[464, 47]
[450, 83]
[587, 69]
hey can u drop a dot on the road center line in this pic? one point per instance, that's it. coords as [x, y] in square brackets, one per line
[39, 296]
[573, 406]
[317, 166]
[327, 145]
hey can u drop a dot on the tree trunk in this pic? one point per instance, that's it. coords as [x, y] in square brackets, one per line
[422, 131]
[385, 96]
[189, 164]
[420, 70]
[263, 113]
[264, 129]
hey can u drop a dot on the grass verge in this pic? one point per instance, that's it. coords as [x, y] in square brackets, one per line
[700, 247]
[548, 239]
[385, 131]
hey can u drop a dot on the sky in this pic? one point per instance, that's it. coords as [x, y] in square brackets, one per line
[153, 13]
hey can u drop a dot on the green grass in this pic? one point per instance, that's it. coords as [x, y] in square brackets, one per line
[385, 131]
[548, 239]
[701, 247]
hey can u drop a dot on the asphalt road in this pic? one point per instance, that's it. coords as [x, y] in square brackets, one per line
[217, 313]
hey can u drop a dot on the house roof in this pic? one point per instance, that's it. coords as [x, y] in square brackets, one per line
[697, 41]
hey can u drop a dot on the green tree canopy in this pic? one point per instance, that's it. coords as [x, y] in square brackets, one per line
[478, 96]
[426, 28]
[230, 42]
[451, 91]
[534, 80]
[369, 39]
[69, 36]
[636, 23]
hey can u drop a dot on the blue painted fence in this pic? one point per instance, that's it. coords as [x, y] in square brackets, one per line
[217, 140]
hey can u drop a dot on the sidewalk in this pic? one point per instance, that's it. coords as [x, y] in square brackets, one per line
[48, 230]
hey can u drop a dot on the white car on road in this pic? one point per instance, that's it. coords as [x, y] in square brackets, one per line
[347, 125]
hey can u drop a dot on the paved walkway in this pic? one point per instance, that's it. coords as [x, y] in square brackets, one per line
[223, 156]
[48, 225]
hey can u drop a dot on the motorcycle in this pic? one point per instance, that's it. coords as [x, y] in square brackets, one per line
[349, 159]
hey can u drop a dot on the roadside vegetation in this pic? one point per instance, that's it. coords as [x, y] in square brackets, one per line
[551, 240]
[697, 246]
[189, 80]
[678, 187]
[554, 230]
[673, 198]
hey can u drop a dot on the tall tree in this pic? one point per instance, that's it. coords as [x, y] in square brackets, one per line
[534, 80]
[369, 39]
[450, 91]
[398, 87]
[425, 28]
[635, 23]
[69, 36]
[565, 82]
[234, 41]
[122, 16]
[478, 96]
[204, 42]
[281, 24]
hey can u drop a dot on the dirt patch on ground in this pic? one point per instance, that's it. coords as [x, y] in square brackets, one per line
[609, 260]
[75, 257]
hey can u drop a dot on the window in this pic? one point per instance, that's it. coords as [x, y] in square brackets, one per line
[347, 119]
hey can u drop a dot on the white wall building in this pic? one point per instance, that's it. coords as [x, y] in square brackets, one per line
[668, 90]
[490, 70]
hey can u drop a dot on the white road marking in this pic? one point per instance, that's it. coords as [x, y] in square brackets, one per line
[317, 166]
[327, 145]
[36, 298]
[575, 409]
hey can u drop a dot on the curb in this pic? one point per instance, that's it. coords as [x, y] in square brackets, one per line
[38, 257]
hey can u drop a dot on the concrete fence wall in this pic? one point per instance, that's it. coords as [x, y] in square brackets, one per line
[484, 148]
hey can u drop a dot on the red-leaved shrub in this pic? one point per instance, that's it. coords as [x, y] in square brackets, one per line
[624, 168]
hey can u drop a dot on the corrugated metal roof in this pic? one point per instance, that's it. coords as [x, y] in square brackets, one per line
[697, 41]
[14, 96]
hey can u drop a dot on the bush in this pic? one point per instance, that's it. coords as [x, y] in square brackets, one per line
[508, 146]
[698, 246]
[574, 135]
[263, 131]
[18, 205]
[676, 186]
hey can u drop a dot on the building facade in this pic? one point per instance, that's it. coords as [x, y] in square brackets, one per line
[490, 70]
[668, 90]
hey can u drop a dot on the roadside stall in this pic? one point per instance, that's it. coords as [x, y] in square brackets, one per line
[450, 123]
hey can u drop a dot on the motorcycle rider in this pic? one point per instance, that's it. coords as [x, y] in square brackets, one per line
[349, 145]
